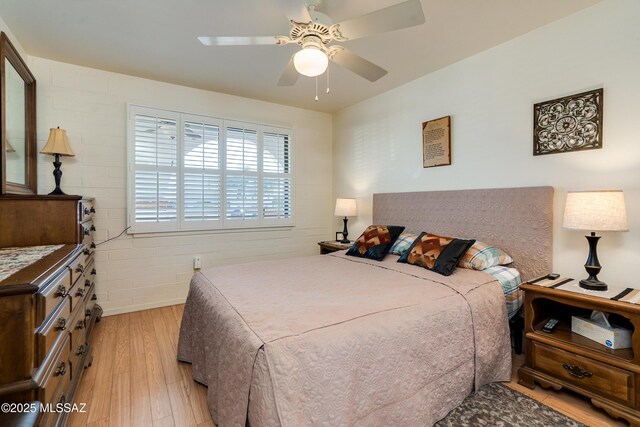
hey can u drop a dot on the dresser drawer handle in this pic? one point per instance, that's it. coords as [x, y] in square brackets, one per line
[93, 228]
[576, 371]
[80, 268]
[80, 292]
[94, 297]
[62, 324]
[93, 272]
[92, 210]
[80, 324]
[62, 291]
[62, 369]
[87, 312]
[92, 245]
[86, 251]
[81, 350]
[87, 232]
[87, 211]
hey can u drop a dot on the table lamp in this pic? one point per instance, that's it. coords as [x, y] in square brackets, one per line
[595, 211]
[345, 208]
[58, 145]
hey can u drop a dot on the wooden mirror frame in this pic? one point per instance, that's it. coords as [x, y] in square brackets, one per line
[8, 52]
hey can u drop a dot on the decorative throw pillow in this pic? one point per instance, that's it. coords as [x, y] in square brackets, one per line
[375, 242]
[402, 243]
[436, 253]
[481, 256]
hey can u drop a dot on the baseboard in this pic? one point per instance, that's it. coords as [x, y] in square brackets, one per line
[141, 307]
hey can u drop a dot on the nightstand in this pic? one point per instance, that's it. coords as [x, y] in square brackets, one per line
[610, 378]
[329, 246]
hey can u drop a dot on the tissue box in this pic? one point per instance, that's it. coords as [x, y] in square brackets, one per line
[610, 336]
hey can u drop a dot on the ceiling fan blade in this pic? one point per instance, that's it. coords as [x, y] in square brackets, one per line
[290, 75]
[295, 10]
[402, 15]
[357, 64]
[238, 41]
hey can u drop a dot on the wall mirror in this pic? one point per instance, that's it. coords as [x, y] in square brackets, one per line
[17, 122]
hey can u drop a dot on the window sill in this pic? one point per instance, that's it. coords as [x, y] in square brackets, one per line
[173, 233]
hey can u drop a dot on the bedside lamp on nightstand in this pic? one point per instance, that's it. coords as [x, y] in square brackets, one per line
[345, 208]
[595, 211]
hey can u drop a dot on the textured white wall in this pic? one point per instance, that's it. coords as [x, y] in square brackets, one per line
[490, 96]
[141, 272]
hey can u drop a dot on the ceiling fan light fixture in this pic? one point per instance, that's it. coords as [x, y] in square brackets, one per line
[311, 61]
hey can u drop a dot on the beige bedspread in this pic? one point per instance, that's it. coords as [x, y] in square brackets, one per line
[335, 340]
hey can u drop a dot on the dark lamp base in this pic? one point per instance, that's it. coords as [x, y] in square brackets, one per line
[57, 192]
[593, 285]
[345, 241]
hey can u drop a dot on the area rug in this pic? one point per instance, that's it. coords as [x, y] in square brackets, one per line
[500, 406]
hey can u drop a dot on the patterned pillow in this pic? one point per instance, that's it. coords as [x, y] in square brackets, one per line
[481, 256]
[375, 242]
[403, 243]
[436, 253]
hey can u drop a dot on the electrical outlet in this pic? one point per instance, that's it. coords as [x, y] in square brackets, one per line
[197, 262]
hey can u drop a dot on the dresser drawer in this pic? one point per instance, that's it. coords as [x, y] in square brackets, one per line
[56, 384]
[88, 251]
[90, 300]
[86, 233]
[82, 285]
[78, 339]
[86, 209]
[55, 291]
[606, 380]
[53, 327]
[77, 267]
[59, 374]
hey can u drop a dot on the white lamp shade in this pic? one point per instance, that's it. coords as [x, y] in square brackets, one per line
[595, 211]
[346, 207]
[310, 61]
[58, 143]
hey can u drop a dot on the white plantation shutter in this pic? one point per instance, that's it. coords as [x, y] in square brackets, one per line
[202, 202]
[241, 174]
[276, 172]
[155, 170]
[190, 172]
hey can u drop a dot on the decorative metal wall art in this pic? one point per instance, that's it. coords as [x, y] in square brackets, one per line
[572, 123]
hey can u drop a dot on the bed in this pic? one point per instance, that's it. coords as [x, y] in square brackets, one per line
[336, 340]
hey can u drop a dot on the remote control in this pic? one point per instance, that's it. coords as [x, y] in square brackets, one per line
[553, 276]
[550, 326]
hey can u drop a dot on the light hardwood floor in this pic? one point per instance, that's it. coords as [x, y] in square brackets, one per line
[136, 381]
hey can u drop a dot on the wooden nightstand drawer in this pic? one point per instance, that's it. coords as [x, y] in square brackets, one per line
[607, 380]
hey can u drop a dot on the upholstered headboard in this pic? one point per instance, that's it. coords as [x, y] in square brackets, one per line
[517, 220]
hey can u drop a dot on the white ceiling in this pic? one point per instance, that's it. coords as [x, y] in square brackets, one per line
[156, 39]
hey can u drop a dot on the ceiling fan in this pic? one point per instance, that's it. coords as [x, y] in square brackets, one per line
[316, 32]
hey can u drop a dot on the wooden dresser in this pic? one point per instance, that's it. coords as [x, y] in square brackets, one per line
[47, 308]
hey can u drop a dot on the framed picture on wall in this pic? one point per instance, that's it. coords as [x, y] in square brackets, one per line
[571, 123]
[436, 142]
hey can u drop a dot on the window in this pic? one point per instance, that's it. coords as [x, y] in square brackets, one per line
[190, 172]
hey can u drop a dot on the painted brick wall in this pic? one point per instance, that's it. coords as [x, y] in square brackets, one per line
[142, 272]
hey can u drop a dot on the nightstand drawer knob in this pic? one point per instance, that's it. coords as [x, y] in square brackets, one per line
[576, 371]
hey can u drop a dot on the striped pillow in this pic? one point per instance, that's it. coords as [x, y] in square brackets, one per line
[481, 256]
[402, 243]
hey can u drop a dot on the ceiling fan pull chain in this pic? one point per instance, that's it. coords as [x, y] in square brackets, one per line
[327, 79]
[316, 88]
